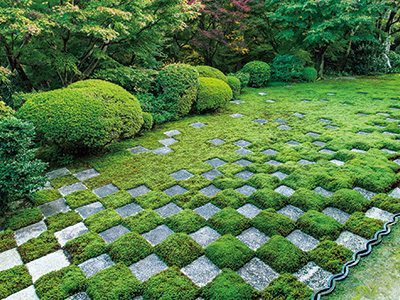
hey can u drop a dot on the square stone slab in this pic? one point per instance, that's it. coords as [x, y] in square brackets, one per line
[148, 267]
[313, 134]
[280, 121]
[172, 132]
[390, 133]
[366, 194]
[215, 162]
[156, 236]
[112, 234]
[299, 115]
[54, 207]
[319, 143]
[293, 143]
[304, 241]
[305, 100]
[90, 209]
[331, 127]
[325, 121]
[210, 175]
[168, 141]
[351, 241]
[79, 296]
[237, 101]
[51, 262]
[253, 238]
[313, 276]
[181, 175]
[327, 151]
[284, 127]
[210, 190]
[162, 150]
[337, 214]
[358, 150]
[323, 100]
[57, 173]
[243, 162]
[323, 192]
[388, 151]
[243, 152]
[270, 152]
[26, 233]
[70, 233]
[376, 213]
[397, 161]
[26, 294]
[291, 211]
[242, 143]
[237, 115]
[260, 121]
[305, 162]
[175, 190]
[392, 120]
[331, 94]
[128, 210]
[138, 191]
[207, 210]
[285, 190]
[10, 259]
[257, 274]
[78, 186]
[337, 162]
[205, 236]
[86, 174]
[138, 150]
[217, 141]
[270, 101]
[245, 175]
[280, 175]
[201, 271]
[263, 94]
[246, 190]
[197, 125]
[379, 126]
[249, 210]
[95, 265]
[274, 163]
[363, 133]
[363, 115]
[168, 210]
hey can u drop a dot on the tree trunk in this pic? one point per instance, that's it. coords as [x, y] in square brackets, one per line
[344, 58]
[320, 61]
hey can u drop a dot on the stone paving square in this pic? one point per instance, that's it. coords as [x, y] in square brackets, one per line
[257, 274]
[197, 125]
[337, 162]
[138, 191]
[79, 296]
[270, 101]
[299, 115]
[26, 294]
[201, 271]
[78, 186]
[280, 175]
[168, 210]
[128, 210]
[243, 152]
[205, 236]
[242, 143]
[379, 214]
[51, 262]
[337, 214]
[323, 192]
[351, 241]
[319, 143]
[392, 120]
[246, 190]
[280, 121]
[284, 127]
[379, 126]
[217, 141]
[138, 150]
[90, 209]
[175, 190]
[305, 100]
[323, 100]
[148, 267]
[363, 133]
[157, 235]
[304, 241]
[249, 210]
[172, 132]
[112, 234]
[358, 150]
[291, 211]
[168, 141]
[215, 162]
[210, 175]
[331, 94]
[305, 162]
[86, 174]
[367, 194]
[285, 190]
[293, 143]
[26, 233]
[260, 121]
[210, 191]
[243, 162]
[54, 207]
[253, 238]
[363, 115]
[95, 265]
[327, 151]
[207, 210]
[388, 151]
[331, 127]
[70, 233]
[397, 161]
[245, 175]
[325, 121]
[9, 259]
[181, 175]
[237, 101]
[57, 173]
[162, 150]
[270, 152]
[237, 115]
[273, 162]
[263, 94]
[313, 134]
[313, 276]
[390, 133]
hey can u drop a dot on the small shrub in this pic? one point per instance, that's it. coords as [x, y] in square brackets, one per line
[81, 198]
[103, 220]
[157, 107]
[287, 287]
[13, 280]
[62, 220]
[243, 78]
[210, 72]
[144, 221]
[229, 221]
[116, 200]
[234, 84]
[272, 223]
[185, 221]
[24, 218]
[213, 94]
[366, 227]
[45, 196]
[306, 200]
[7, 240]
[350, 201]
[319, 225]
[310, 74]
[267, 198]
[260, 73]
[229, 198]
[153, 199]
[84, 247]
[38, 247]
[147, 122]
[286, 67]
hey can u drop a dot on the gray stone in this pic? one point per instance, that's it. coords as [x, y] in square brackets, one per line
[260, 121]
[284, 127]
[79, 296]
[331, 127]
[285, 190]
[367, 194]
[249, 210]
[337, 214]
[280, 175]
[305, 162]
[57, 173]
[257, 274]
[299, 115]
[70, 233]
[243, 162]
[319, 143]
[112, 234]
[242, 143]
[245, 175]
[90, 209]
[207, 210]
[156, 236]
[280, 121]
[95, 265]
[78, 186]
[337, 162]
[363, 115]
[168, 210]
[26, 294]
[86, 174]
[313, 134]
[237, 101]
[138, 191]
[293, 143]
[243, 152]
[138, 150]
[210, 190]
[128, 210]
[210, 175]
[363, 133]
[51, 262]
[304, 241]
[392, 120]
[351, 241]
[325, 121]
[215, 162]
[26, 233]
[270, 152]
[362, 93]
[313, 276]
[263, 94]
[379, 214]
[253, 238]
[175, 191]
[394, 108]
[358, 150]
[181, 175]
[162, 150]
[148, 267]
[331, 94]
[379, 126]
[10, 259]
[323, 100]
[395, 194]
[291, 211]
[47, 186]
[273, 162]
[197, 125]
[54, 207]
[397, 161]
[246, 190]
[305, 100]
[270, 101]
[388, 151]
[168, 141]
[172, 132]
[237, 115]
[201, 271]
[390, 133]
[323, 192]
[327, 151]
[205, 236]
[217, 141]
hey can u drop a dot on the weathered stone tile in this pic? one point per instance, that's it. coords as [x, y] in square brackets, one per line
[323, 192]
[210, 190]
[291, 211]
[78, 186]
[112, 234]
[162, 150]
[313, 276]
[58, 173]
[205, 236]
[172, 132]
[138, 191]
[285, 190]
[86, 174]
[26, 294]
[337, 162]
[260, 121]
[90, 209]
[148, 267]
[215, 162]
[201, 271]
[253, 238]
[243, 162]
[10, 259]
[367, 194]
[242, 143]
[197, 125]
[32, 231]
[280, 175]
[71, 232]
[273, 162]
[249, 210]
[257, 274]
[337, 214]
[181, 175]
[237, 115]
[243, 152]
[95, 265]
[54, 207]
[270, 152]
[156, 236]
[138, 150]
[175, 190]
[246, 190]
[379, 214]
[207, 210]
[210, 175]
[245, 175]
[168, 210]
[168, 141]
[304, 241]
[217, 141]
[51, 262]
[351, 241]
[284, 127]
[128, 210]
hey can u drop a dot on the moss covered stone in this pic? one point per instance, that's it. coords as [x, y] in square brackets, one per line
[272, 223]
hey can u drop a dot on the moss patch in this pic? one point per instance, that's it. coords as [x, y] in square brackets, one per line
[319, 225]
[63, 181]
[229, 221]
[103, 220]
[38, 247]
[144, 221]
[272, 223]
[185, 221]
[62, 220]
[24, 218]
[116, 200]
[153, 200]
[286, 286]
[81, 198]
[267, 198]
[13, 280]
[84, 247]
[46, 196]
[7, 240]
[366, 227]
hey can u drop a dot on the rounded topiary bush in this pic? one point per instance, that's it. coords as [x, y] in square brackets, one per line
[259, 71]
[147, 122]
[213, 94]
[206, 71]
[309, 74]
[243, 78]
[87, 115]
[235, 86]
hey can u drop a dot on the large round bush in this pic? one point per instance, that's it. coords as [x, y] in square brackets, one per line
[85, 116]
[213, 94]
[206, 71]
[234, 84]
[309, 74]
[259, 71]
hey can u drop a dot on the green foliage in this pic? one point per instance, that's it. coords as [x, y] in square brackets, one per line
[5, 110]
[103, 220]
[366, 227]
[157, 107]
[210, 72]
[243, 78]
[229, 198]
[319, 225]
[350, 201]
[281, 255]
[229, 221]
[144, 221]
[185, 221]
[306, 200]
[153, 199]
[147, 122]
[63, 181]
[229, 252]
[387, 203]
[191, 200]
[234, 84]
[272, 223]
[7, 240]
[309, 74]
[38, 247]
[212, 94]
[287, 287]
[24, 218]
[262, 181]
[81, 198]
[84, 247]
[260, 73]
[45, 196]
[267, 198]
[13, 280]
[60, 221]
[116, 200]
[286, 67]
[228, 181]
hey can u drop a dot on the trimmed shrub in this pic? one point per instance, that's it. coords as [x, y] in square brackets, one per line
[147, 122]
[210, 72]
[306, 200]
[153, 199]
[350, 201]
[81, 198]
[227, 181]
[103, 220]
[213, 94]
[185, 221]
[229, 221]
[267, 198]
[366, 227]
[144, 221]
[84, 247]
[243, 78]
[62, 220]
[38, 247]
[13, 280]
[272, 223]
[116, 200]
[87, 115]
[286, 67]
[287, 287]
[319, 225]
[229, 252]
[7, 240]
[229, 198]
[24, 218]
[309, 74]
[260, 73]
[234, 84]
